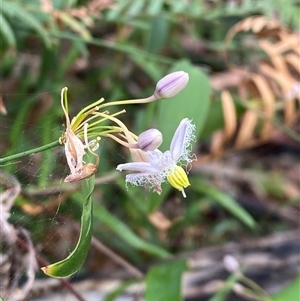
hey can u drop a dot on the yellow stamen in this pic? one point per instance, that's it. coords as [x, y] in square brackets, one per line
[87, 110]
[178, 179]
[64, 105]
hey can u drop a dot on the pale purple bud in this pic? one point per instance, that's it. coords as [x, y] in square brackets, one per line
[171, 84]
[231, 264]
[150, 140]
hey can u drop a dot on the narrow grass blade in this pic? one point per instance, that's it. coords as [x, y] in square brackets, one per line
[14, 10]
[226, 201]
[125, 232]
[7, 31]
[75, 260]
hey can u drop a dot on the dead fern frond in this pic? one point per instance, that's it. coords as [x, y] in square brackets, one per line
[268, 89]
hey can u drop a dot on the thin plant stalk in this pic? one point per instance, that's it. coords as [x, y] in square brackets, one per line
[30, 152]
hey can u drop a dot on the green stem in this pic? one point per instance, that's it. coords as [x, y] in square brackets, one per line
[29, 152]
[128, 102]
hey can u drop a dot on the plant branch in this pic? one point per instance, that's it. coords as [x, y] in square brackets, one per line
[44, 262]
[29, 152]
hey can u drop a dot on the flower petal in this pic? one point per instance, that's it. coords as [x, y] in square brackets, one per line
[178, 142]
[138, 155]
[150, 180]
[144, 167]
[74, 150]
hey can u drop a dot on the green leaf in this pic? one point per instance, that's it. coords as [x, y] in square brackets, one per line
[164, 281]
[7, 31]
[75, 25]
[14, 10]
[117, 10]
[75, 260]
[158, 35]
[193, 103]
[125, 232]
[179, 7]
[291, 292]
[155, 7]
[134, 195]
[226, 202]
[135, 8]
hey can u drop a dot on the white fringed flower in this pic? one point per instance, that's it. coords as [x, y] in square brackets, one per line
[165, 166]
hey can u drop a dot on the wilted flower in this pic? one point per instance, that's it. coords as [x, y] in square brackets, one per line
[75, 149]
[160, 167]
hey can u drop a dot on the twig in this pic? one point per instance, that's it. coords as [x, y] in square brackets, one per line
[115, 257]
[44, 262]
[29, 152]
[64, 187]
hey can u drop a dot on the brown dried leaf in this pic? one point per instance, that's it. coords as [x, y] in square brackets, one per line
[286, 85]
[225, 80]
[217, 143]
[3, 110]
[294, 61]
[245, 135]
[268, 104]
[260, 23]
[272, 85]
[159, 220]
[230, 117]
[279, 48]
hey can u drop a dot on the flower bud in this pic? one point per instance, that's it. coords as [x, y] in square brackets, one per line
[171, 84]
[150, 140]
[231, 264]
